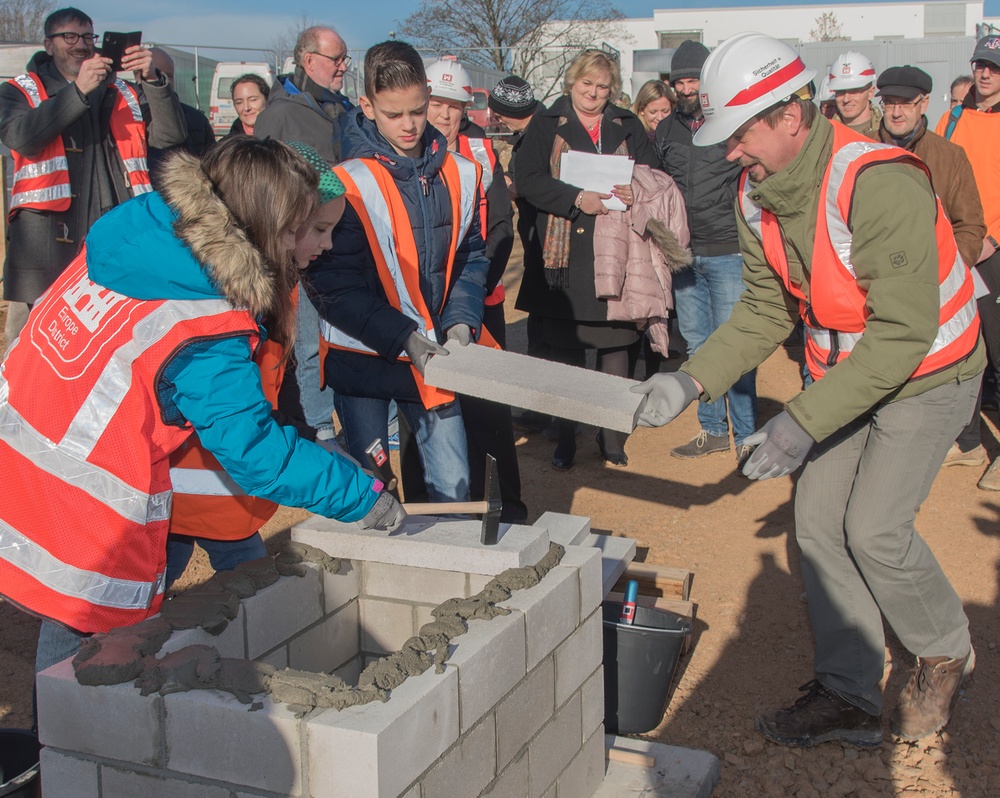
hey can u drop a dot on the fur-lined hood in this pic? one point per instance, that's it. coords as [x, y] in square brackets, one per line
[180, 243]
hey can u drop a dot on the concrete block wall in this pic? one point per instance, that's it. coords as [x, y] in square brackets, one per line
[516, 711]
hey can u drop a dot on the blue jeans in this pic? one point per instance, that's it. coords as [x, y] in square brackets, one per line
[706, 294]
[440, 438]
[317, 403]
[55, 643]
[224, 555]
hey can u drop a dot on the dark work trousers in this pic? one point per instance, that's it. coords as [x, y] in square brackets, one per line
[989, 316]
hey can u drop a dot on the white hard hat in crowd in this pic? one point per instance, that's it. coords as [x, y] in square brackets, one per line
[744, 75]
[825, 93]
[851, 71]
[448, 79]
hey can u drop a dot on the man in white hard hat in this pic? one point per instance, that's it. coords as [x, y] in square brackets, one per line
[849, 237]
[852, 81]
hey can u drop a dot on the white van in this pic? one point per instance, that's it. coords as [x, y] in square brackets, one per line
[221, 113]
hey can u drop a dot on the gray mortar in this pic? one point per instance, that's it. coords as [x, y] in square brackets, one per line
[128, 652]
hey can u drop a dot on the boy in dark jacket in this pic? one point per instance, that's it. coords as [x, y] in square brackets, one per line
[407, 270]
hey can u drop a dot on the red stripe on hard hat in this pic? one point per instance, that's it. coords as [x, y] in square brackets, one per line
[869, 72]
[769, 83]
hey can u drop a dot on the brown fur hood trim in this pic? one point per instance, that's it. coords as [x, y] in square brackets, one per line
[677, 257]
[215, 238]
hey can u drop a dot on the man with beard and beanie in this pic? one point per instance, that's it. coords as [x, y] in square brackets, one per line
[706, 293]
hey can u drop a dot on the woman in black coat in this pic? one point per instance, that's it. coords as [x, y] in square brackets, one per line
[558, 283]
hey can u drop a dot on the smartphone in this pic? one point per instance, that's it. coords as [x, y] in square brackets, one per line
[115, 45]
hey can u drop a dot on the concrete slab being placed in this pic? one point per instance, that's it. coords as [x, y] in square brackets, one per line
[616, 555]
[534, 384]
[678, 772]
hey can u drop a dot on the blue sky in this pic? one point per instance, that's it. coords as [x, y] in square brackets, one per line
[254, 23]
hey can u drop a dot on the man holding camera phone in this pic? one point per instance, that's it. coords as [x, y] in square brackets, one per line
[78, 136]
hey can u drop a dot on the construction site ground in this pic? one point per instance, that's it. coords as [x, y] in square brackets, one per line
[752, 641]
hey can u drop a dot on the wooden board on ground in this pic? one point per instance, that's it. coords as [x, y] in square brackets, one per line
[686, 609]
[658, 580]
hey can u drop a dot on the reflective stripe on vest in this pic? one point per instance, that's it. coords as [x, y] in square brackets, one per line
[481, 151]
[834, 316]
[129, 135]
[202, 482]
[373, 194]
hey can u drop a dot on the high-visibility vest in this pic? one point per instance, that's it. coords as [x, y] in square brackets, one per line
[834, 315]
[481, 151]
[84, 447]
[373, 194]
[41, 182]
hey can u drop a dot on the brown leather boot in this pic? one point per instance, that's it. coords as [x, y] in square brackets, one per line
[929, 697]
[821, 716]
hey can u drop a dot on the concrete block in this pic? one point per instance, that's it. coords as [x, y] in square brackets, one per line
[341, 587]
[258, 749]
[490, 662]
[422, 615]
[378, 750]
[351, 671]
[418, 585]
[513, 782]
[578, 657]
[551, 609]
[281, 610]
[524, 712]
[67, 775]
[616, 555]
[468, 768]
[425, 542]
[117, 783]
[554, 747]
[588, 561]
[89, 720]
[586, 772]
[564, 529]
[477, 582]
[678, 772]
[592, 698]
[329, 644]
[278, 658]
[412, 793]
[535, 384]
[385, 625]
[230, 643]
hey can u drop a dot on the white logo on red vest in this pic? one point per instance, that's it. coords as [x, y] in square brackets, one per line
[90, 302]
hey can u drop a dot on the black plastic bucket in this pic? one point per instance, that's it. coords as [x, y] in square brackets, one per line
[639, 664]
[18, 763]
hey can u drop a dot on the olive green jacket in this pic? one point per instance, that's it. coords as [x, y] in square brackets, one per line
[895, 257]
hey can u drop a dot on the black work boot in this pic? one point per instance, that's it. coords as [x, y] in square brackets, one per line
[821, 716]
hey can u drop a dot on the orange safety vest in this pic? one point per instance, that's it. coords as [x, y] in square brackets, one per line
[481, 151]
[41, 182]
[84, 449]
[373, 194]
[835, 313]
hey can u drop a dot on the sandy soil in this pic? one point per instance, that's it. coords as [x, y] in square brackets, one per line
[753, 646]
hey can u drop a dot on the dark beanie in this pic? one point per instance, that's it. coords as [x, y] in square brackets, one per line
[688, 60]
[513, 97]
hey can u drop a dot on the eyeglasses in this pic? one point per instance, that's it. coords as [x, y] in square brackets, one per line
[340, 60]
[72, 38]
[982, 65]
[888, 106]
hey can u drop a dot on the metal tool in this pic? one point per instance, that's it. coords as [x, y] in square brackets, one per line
[489, 508]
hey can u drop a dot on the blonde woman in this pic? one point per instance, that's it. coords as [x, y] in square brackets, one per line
[654, 102]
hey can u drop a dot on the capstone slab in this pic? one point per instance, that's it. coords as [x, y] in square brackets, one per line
[564, 529]
[616, 555]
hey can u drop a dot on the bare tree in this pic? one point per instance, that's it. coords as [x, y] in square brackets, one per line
[23, 20]
[827, 29]
[534, 38]
[284, 43]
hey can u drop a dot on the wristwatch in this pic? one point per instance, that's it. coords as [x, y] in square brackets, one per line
[993, 241]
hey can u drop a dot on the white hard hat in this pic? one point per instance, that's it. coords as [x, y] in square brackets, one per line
[447, 78]
[851, 71]
[825, 93]
[744, 75]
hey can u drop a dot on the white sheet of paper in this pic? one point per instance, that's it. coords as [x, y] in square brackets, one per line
[600, 173]
[979, 287]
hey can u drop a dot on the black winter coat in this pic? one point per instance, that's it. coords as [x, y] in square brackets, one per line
[578, 300]
[708, 183]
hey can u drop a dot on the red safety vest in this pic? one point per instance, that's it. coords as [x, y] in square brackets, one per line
[41, 182]
[375, 197]
[84, 449]
[835, 313]
[481, 151]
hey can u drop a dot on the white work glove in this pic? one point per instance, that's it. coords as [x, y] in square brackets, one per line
[782, 446]
[419, 349]
[461, 333]
[386, 513]
[666, 397]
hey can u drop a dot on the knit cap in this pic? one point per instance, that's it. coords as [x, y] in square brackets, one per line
[687, 61]
[330, 186]
[513, 97]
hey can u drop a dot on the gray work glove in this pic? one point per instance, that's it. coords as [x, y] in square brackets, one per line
[666, 397]
[419, 349]
[782, 446]
[386, 513]
[461, 333]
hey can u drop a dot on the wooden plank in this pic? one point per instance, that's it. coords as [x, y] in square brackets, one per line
[658, 580]
[631, 757]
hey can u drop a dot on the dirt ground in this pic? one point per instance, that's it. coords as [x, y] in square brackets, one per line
[752, 646]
